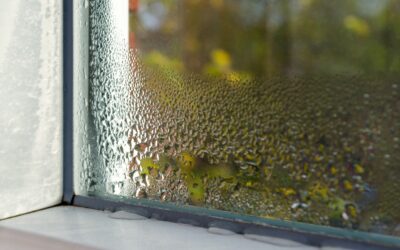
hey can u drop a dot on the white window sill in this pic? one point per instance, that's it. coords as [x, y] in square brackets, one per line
[95, 229]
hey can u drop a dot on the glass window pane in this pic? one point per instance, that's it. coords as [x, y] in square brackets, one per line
[30, 110]
[277, 109]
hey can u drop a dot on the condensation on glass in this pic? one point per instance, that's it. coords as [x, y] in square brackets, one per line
[278, 109]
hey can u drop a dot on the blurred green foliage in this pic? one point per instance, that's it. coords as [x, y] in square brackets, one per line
[245, 39]
[242, 40]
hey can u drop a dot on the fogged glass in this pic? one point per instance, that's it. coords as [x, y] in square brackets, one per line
[278, 109]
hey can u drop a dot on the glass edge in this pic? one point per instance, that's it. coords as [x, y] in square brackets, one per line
[80, 87]
[267, 223]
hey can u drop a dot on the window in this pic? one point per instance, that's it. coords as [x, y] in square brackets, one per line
[275, 109]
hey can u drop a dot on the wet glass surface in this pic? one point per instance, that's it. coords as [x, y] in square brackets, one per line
[278, 109]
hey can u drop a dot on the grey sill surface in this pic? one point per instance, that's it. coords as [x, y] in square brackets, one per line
[102, 230]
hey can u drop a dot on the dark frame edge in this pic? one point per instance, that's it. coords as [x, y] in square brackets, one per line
[68, 62]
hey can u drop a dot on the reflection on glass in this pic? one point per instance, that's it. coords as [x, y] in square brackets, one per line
[279, 109]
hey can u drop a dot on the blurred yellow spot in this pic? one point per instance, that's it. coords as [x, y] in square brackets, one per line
[217, 4]
[305, 167]
[347, 149]
[233, 77]
[268, 216]
[319, 190]
[347, 185]
[359, 169]
[352, 211]
[187, 161]
[194, 2]
[306, 3]
[147, 164]
[156, 58]
[249, 157]
[357, 25]
[224, 171]
[318, 158]
[333, 170]
[196, 190]
[288, 191]
[323, 192]
[221, 58]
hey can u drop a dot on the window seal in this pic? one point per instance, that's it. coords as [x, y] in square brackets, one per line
[304, 233]
[68, 129]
